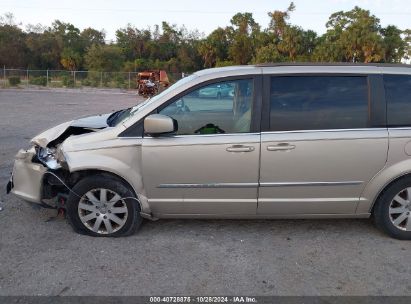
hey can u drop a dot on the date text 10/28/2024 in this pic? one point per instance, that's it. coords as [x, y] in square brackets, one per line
[203, 299]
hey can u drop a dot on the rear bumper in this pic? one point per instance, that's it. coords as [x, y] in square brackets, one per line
[27, 178]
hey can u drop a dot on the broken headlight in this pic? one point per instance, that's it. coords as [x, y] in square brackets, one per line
[50, 157]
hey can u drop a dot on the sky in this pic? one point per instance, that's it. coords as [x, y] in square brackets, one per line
[194, 14]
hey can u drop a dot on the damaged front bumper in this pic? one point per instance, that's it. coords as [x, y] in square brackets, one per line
[26, 181]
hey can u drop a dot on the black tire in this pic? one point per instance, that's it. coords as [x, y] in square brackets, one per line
[133, 218]
[381, 210]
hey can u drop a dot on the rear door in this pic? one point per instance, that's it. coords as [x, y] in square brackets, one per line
[324, 139]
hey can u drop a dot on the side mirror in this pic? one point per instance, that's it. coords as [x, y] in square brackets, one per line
[157, 124]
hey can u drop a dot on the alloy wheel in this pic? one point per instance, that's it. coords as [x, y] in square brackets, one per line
[400, 210]
[102, 211]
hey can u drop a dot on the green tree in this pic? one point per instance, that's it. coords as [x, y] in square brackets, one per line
[214, 48]
[279, 20]
[44, 50]
[395, 48]
[407, 40]
[291, 42]
[165, 47]
[70, 59]
[104, 58]
[133, 42]
[242, 35]
[91, 36]
[268, 53]
[285, 42]
[71, 45]
[352, 36]
[13, 49]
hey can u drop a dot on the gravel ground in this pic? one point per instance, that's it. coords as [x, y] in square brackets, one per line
[41, 255]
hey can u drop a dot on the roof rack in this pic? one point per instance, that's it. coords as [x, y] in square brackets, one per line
[386, 65]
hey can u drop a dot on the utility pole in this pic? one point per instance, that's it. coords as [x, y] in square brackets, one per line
[4, 75]
[47, 76]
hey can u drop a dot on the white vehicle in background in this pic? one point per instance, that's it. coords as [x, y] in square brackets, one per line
[218, 91]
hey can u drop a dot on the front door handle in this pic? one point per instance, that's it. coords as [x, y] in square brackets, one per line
[281, 147]
[240, 148]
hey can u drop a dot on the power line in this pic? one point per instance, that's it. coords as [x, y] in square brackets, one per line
[145, 11]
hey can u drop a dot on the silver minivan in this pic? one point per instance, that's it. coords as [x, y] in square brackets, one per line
[288, 141]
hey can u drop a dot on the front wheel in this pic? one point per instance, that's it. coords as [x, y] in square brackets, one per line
[103, 206]
[392, 212]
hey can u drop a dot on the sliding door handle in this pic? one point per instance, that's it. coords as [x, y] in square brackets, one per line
[240, 148]
[281, 147]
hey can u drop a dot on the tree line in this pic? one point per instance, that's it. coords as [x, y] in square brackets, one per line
[351, 36]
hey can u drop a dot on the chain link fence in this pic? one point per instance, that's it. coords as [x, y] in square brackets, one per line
[72, 79]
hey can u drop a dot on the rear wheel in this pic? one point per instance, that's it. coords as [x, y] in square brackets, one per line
[392, 212]
[103, 206]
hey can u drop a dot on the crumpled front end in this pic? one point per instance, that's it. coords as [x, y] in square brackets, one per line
[38, 172]
[27, 178]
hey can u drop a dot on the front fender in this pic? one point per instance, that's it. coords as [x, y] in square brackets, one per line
[124, 162]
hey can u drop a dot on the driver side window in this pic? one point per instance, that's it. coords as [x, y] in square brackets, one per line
[218, 108]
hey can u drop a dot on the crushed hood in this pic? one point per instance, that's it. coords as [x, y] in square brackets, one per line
[75, 127]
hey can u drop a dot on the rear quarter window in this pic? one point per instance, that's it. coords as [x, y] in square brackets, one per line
[398, 96]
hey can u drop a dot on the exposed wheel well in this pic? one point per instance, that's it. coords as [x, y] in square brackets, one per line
[386, 187]
[76, 176]
[59, 183]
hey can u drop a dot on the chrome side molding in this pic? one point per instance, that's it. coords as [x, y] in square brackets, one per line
[211, 185]
[294, 184]
[252, 185]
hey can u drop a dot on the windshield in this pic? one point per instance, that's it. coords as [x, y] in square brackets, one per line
[126, 114]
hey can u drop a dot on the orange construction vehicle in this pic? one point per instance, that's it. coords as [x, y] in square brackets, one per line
[150, 82]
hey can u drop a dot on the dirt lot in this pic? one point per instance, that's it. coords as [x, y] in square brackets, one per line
[39, 256]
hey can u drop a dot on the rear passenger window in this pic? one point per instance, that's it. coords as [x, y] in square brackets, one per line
[318, 102]
[398, 95]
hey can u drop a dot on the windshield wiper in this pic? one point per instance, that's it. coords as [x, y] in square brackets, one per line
[111, 120]
[115, 117]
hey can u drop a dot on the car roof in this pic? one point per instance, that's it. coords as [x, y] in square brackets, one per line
[336, 64]
[306, 67]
